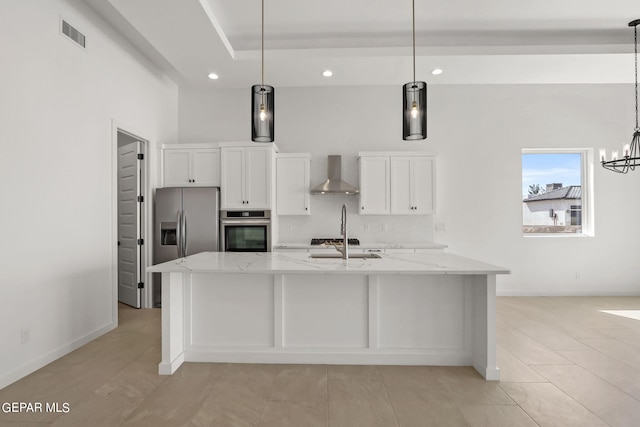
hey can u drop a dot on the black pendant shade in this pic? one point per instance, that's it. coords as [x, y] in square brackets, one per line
[414, 110]
[262, 103]
[262, 113]
[414, 98]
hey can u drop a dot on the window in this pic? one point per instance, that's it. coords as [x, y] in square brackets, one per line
[556, 192]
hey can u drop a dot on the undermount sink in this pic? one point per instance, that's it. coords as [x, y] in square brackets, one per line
[339, 256]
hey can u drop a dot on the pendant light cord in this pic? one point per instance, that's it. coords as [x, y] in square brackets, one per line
[413, 15]
[263, 44]
[635, 39]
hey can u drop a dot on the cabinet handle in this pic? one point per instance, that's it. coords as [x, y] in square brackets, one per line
[306, 209]
[363, 208]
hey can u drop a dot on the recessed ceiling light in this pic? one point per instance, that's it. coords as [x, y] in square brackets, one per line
[436, 71]
[327, 73]
[213, 76]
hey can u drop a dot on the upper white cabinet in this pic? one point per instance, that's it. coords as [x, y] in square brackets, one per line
[246, 176]
[412, 185]
[399, 183]
[293, 184]
[374, 185]
[196, 165]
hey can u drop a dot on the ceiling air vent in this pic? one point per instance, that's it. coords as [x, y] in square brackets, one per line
[75, 35]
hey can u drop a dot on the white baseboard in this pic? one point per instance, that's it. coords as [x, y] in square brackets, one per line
[565, 293]
[45, 359]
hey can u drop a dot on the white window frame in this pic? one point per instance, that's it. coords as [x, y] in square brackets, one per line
[586, 183]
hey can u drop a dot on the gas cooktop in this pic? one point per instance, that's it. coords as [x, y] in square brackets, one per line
[333, 241]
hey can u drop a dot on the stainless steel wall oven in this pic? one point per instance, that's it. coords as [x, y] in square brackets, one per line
[245, 231]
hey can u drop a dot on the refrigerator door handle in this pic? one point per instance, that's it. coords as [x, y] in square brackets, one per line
[179, 234]
[184, 234]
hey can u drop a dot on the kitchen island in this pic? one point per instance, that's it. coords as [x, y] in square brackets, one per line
[270, 307]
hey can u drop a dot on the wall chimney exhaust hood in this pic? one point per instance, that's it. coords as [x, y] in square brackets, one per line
[334, 183]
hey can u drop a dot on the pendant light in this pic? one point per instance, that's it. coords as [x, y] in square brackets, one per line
[262, 105]
[630, 152]
[414, 99]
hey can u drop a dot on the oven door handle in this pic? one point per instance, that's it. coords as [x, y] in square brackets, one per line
[246, 222]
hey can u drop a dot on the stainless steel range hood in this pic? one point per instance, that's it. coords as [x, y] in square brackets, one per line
[334, 183]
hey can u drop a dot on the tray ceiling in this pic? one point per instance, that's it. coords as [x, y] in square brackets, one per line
[369, 43]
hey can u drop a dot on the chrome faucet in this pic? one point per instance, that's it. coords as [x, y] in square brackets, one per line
[343, 230]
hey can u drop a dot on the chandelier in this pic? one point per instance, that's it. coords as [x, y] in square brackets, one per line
[630, 152]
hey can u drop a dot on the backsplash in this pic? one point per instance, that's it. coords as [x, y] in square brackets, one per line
[324, 221]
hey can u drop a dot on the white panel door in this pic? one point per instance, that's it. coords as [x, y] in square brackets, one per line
[176, 168]
[422, 188]
[232, 178]
[374, 185]
[206, 167]
[258, 178]
[401, 177]
[129, 210]
[292, 186]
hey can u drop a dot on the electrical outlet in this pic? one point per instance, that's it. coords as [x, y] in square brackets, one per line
[25, 336]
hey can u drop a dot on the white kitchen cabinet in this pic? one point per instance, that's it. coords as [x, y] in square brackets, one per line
[191, 167]
[374, 186]
[396, 183]
[246, 177]
[412, 185]
[293, 184]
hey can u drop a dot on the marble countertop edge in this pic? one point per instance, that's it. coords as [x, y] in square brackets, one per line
[365, 245]
[300, 263]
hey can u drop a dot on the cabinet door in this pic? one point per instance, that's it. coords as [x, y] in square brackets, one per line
[232, 178]
[176, 168]
[422, 187]
[401, 177]
[258, 178]
[374, 185]
[292, 186]
[206, 167]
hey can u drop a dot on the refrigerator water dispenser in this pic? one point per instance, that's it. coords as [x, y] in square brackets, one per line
[168, 235]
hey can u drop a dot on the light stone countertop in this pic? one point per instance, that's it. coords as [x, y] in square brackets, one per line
[300, 263]
[365, 245]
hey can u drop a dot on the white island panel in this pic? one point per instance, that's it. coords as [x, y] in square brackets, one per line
[426, 312]
[325, 311]
[231, 311]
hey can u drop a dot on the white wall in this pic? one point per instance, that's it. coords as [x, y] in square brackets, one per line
[320, 121]
[57, 109]
[478, 133]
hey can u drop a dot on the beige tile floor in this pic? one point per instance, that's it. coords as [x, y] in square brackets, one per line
[563, 363]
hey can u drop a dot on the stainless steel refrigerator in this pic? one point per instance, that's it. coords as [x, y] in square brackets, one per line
[186, 222]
